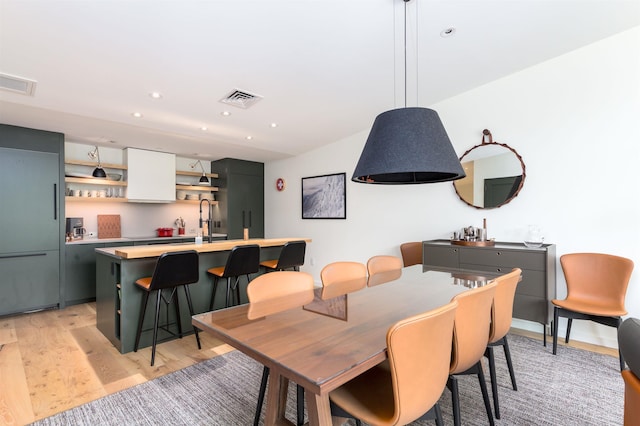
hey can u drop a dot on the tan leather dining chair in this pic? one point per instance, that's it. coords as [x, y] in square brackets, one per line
[470, 339]
[596, 289]
[411, 253]
[407, 385]
[629, 341]
[378, 265]
[340, 278]
[501, 317]
[276, 286]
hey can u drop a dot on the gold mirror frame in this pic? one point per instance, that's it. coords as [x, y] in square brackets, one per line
[507, 182]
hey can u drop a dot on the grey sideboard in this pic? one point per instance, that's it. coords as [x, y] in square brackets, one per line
[534, 292]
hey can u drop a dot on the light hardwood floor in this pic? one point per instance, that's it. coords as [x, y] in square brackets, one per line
[54, 360]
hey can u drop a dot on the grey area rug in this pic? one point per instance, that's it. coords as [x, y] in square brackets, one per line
[575, 387]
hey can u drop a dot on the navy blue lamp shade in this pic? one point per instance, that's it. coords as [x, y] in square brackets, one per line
[408, 146]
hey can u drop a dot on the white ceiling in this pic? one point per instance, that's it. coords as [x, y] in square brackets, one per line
[325, 68]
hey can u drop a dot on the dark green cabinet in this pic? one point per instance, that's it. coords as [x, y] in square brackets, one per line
[31, 219]
[80, 271]
[240, 198]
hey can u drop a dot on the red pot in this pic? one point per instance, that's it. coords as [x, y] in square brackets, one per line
[165, 232]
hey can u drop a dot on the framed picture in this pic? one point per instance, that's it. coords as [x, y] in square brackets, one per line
[324, 197]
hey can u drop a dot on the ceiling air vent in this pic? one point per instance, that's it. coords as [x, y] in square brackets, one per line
[14, 84]
[240, 99]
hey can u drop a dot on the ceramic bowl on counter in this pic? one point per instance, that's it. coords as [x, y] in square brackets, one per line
[181, 195]
[114, 176]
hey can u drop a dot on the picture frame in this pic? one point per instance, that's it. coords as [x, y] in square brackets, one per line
[324, 196]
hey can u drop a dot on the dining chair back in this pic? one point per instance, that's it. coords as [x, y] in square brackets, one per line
[284, 290]
[411, 253]
[411, 381]
[629, 341]
[501, 318]
[172, 270]
[291, 257]
[378, 265]
[340, 278]
[596, 289]
[242, 260]
[470, 339]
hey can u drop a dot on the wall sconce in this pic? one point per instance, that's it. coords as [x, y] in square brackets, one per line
[98, 172]
[203, 178]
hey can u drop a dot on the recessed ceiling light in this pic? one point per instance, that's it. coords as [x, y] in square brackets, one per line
[447, 32]
[249, 138]
[274, 124]
[137, 114]
[204, 128]
[225, 113]
[155, 95]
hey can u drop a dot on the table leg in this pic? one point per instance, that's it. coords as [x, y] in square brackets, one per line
[318, 409]
[276, 398]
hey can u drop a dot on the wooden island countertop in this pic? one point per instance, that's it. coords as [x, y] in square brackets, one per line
[140, 252]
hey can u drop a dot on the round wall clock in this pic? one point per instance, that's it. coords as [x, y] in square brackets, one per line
[280, 184]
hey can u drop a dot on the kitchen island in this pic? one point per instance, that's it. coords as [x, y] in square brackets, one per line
[119, 301]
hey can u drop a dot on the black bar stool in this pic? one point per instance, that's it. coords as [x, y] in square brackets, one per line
[291, 257]
[172, 270]
[243, 260]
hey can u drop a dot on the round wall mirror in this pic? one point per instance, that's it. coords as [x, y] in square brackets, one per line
[495, 174]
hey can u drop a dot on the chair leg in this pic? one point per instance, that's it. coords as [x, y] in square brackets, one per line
[155, 328]
[494, 382]
[213, 293]
[263, 388]
[300, 404]
[141, 320]
[507, 355]
[187, 293]
[228, 291]
[544, 334]
[485, 394]
[555, 329]
[174, 296]
[618, 324]
[569, 322]
[439, 421]
[452, 384]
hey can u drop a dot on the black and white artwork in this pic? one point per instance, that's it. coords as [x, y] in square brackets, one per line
[324, 197]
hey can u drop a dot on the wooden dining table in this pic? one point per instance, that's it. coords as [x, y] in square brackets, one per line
[325, 343]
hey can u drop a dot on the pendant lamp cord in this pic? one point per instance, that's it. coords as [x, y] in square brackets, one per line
[405, 52]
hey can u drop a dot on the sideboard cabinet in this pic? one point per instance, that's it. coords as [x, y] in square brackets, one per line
[538, 285]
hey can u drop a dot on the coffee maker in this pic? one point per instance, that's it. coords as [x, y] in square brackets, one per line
[75, 228]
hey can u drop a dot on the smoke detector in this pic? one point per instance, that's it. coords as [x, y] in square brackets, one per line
[240, 99]
[14, 84]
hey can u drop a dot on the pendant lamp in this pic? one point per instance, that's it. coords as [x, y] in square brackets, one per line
[407, 146]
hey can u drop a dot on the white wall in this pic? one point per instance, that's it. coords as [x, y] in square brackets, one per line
[574, 121]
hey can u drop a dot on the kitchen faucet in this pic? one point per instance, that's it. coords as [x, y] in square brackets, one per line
[208, 220]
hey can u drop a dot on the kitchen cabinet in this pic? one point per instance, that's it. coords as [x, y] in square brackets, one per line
[31, 219]
[538, 285]
[151, 176]
[240, 197]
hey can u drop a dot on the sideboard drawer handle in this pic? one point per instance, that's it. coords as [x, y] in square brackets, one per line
[498, 269]
[498, 253]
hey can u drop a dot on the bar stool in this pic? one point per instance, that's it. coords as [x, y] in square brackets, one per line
[243, 260]
[291, 257]
[172, 270]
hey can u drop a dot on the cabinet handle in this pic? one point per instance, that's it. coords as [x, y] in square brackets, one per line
[243, 221]
[498, 269]
[249, 218]
[498, 253]
[12, 256]
[55, 201]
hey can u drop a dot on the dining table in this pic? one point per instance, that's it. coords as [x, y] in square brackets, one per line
[327, 342]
